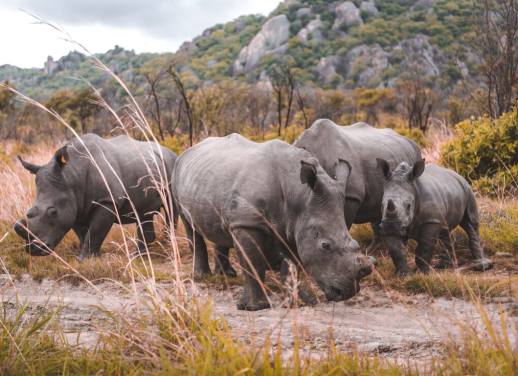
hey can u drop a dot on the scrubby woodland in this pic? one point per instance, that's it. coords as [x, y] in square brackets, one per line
[443, 72]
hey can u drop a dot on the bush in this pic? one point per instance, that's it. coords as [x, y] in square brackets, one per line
[485, 151]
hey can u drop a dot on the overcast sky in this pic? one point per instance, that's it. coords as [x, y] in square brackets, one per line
[142, 25]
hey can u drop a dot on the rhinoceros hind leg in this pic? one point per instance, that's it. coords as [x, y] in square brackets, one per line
[471, 226]
[252, 246]
[223, 266]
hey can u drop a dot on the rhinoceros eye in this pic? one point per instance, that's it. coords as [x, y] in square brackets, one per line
[317, 235]
[52, 212]
[326, 246]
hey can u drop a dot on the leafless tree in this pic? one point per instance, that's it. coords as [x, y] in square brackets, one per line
[188, 109]
[153, 81]
[417, 98]
[283, 84]
[497, 43]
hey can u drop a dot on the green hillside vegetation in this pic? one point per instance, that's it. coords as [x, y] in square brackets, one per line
[445, 25]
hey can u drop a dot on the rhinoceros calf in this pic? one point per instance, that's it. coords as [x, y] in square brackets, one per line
[425, 204]
[267, 200]
[360, 145]
[92, 183]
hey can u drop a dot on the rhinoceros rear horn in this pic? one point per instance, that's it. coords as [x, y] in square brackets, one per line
[32, 168]
[61, 157]
[342, 171]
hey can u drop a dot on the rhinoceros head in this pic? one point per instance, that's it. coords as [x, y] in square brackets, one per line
[54, 212]
[399, 197]
[325, 246]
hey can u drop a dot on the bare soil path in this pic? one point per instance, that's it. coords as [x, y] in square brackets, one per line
[395, 326]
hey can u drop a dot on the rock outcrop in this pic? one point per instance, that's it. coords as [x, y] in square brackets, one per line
[369, 8]
[364, 65]
[313, 30]
[274, 33]
[347, 15]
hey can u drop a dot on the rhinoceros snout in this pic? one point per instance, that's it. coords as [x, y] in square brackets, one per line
[32, 246]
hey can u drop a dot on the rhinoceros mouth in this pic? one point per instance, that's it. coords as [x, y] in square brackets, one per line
[37, 248]
[336, 294]
[33, 246]
[393, 228]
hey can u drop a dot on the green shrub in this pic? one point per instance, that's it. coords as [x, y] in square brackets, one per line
[485, 151]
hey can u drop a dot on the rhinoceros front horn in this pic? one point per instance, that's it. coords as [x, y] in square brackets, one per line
[32, 168]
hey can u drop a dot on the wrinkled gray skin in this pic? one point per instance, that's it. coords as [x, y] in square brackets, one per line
[360, 145]
[269, 201]
[71, 193]
[425, 204]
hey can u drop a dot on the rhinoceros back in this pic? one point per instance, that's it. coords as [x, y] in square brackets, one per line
[232, 182]
[359, 144]
[123, 170]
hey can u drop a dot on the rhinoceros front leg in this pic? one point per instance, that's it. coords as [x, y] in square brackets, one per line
[397, 250]
[199, 250]
[223, 266]
[428, 235]
[252, 246]
[377, 239]
[100, 225]
[80, 232]
[145, 233]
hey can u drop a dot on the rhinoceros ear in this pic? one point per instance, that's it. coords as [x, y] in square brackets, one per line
[61, 157]
[417, 170]
[308, 172]
[384, 166]
[342, 171]
[32, 168]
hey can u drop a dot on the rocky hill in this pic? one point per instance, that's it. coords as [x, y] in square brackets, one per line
[368, 43]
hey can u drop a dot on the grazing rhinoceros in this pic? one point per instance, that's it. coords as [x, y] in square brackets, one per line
[360, 145]
[425, 204]
[267, 200]
[92, 183]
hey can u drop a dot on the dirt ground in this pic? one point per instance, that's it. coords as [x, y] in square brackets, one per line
[393, 325]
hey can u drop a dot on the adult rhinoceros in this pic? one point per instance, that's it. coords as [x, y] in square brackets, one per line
[268, 200]
[359, 144]
[92, 183]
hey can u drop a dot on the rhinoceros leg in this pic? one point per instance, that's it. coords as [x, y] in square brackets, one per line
[472, 230]
[377, 239]
[397, 250]
[81, 232]
[351, 210]
[251, 246]
[223, 266]
[100, 225]
[199, 250]
[447, 257]
[428, 236]
[145, 233]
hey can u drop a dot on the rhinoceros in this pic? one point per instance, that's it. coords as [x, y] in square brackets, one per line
[92, 183]
[425, 204]
[359, 144]
[268, 201]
